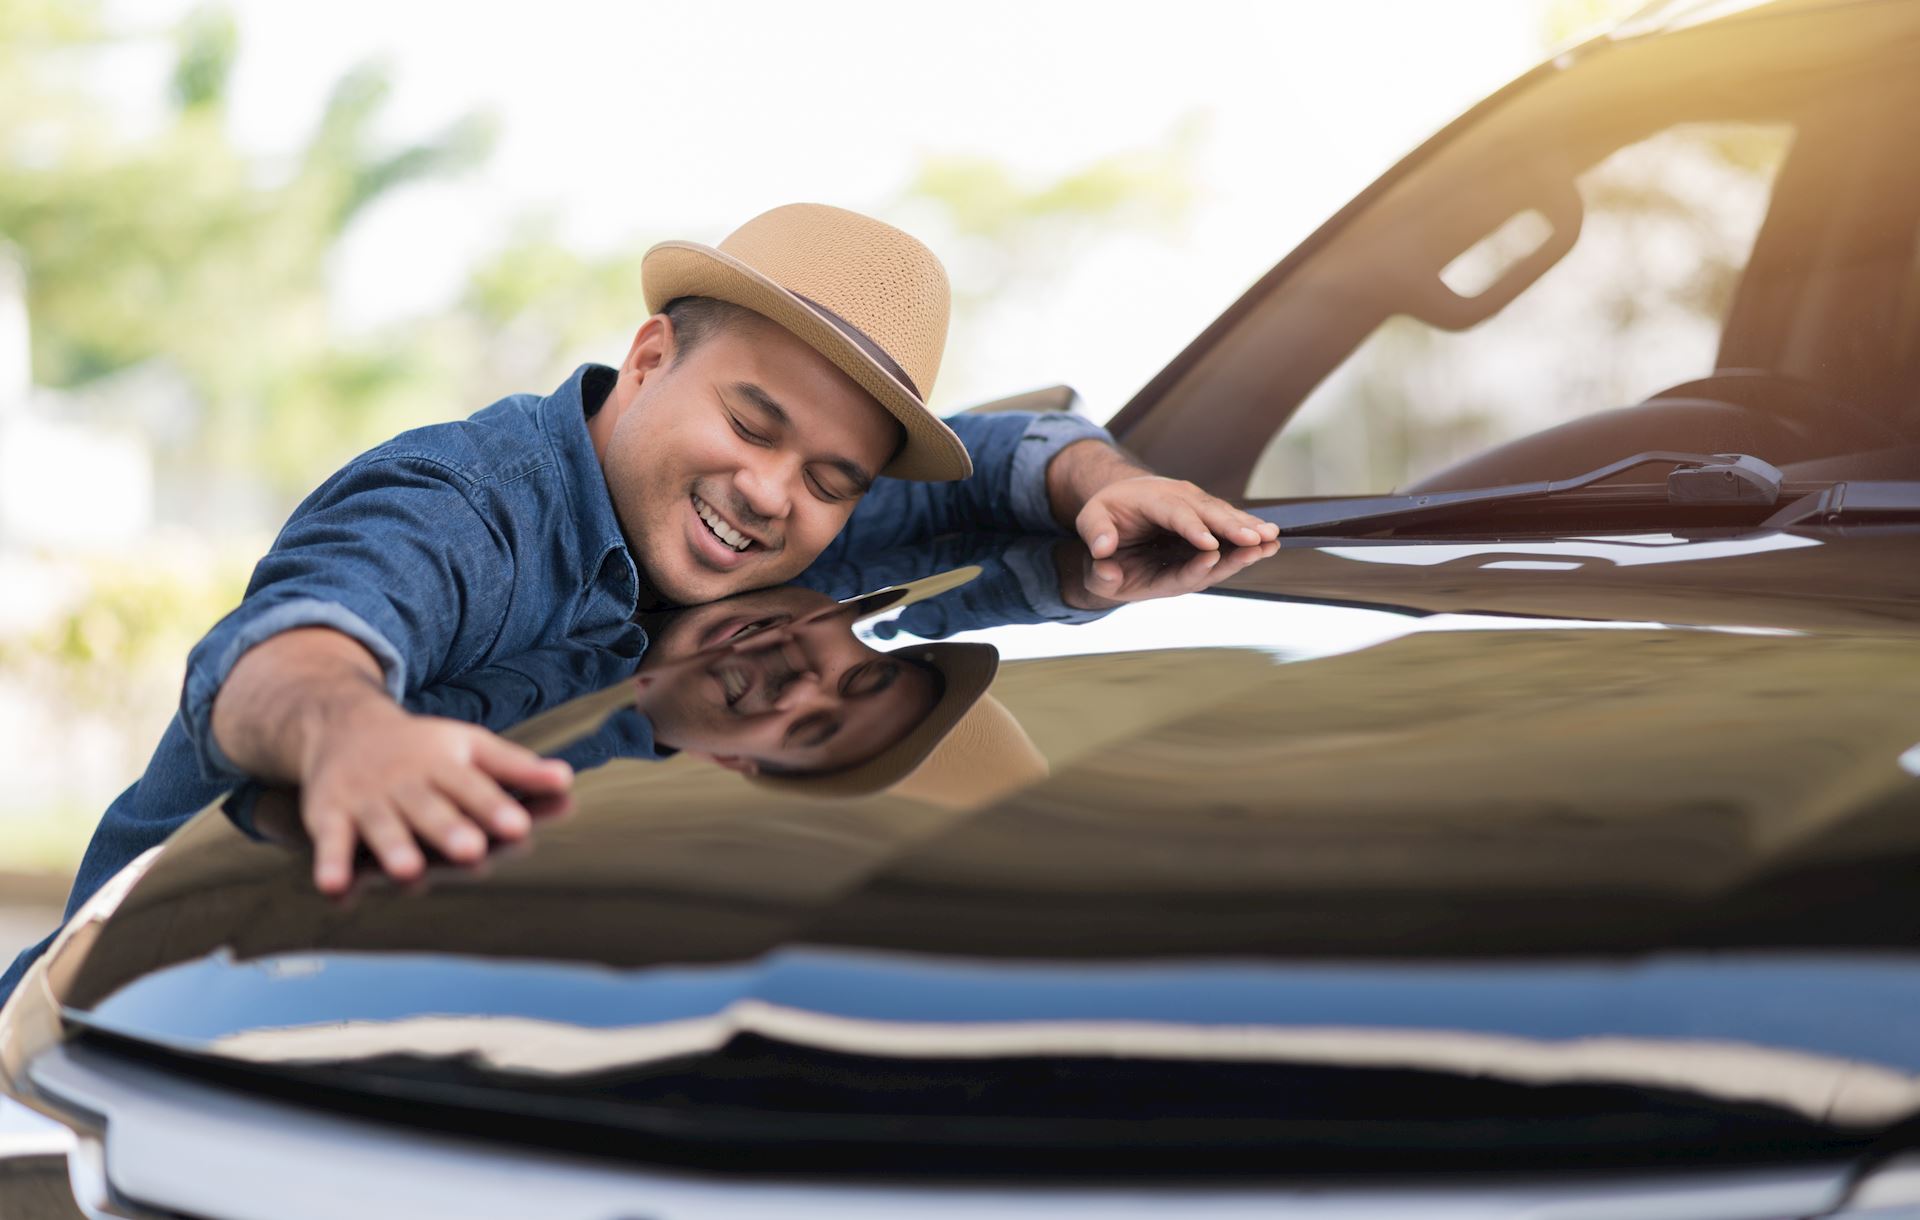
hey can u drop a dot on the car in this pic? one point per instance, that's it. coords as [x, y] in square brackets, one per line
[1536, 832]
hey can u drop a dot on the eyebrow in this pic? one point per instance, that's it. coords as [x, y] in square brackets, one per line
[765, 401]
[758, 396]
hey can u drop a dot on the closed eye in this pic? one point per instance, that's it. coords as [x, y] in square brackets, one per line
[826, 493]
[869, 679]
[747, 434]
[811, 731]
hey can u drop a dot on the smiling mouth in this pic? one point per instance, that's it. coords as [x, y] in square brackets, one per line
[718, 527]
[734, 684]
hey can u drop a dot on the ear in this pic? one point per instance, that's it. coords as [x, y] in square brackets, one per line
[738, 763]
[652, 348]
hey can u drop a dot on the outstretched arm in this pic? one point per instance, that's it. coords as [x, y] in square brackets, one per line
[1042, 473]
[386, 579]
[1100, 492]
[308, 706]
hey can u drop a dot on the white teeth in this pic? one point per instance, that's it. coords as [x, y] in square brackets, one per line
[727, 534]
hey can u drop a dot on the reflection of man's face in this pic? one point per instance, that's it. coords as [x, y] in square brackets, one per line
[776, 681]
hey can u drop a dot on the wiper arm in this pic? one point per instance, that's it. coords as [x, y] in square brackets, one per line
[1703, 478]
[1858, 499]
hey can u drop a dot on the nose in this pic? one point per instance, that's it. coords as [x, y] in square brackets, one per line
[803, 691]
[765, 485]
[802, 688]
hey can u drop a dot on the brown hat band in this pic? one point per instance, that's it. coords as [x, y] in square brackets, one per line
[877, 353]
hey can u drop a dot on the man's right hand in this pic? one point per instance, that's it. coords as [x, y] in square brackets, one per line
[307, 706]
[387, 778]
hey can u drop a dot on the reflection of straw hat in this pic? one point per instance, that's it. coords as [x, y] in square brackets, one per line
[968, 750]
[863, 294]
[986, 756]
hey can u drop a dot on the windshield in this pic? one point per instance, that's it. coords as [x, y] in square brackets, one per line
[1702, 240]
[1637, 304]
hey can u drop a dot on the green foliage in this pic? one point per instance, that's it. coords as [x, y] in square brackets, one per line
[542, 303]
[1018, 230]
[179, 246]
[130, 619]
[208, 41]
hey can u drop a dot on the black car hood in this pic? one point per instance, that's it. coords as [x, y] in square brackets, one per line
[1621, 833]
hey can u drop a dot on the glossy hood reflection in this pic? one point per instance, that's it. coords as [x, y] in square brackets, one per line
[776, 686]
[1364, 835]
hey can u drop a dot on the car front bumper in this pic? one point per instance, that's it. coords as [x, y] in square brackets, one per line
[152, 1143]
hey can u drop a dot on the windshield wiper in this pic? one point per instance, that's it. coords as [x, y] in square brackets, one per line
[1699, 478]
[1849, 499]
[1702, 478]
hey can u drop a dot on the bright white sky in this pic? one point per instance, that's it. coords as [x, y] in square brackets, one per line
[631, 122]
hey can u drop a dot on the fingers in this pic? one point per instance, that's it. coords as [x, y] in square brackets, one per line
[486, 802]
[391, 842]
[519, 767]
[1131, 510]
[1156, 506]
[1234, 525]
[1196, 570]
[333, 842]
[1239, 558]
[1134, 575]
[1179, 518]
[1098, 529]
[421, 783]
[433, 818]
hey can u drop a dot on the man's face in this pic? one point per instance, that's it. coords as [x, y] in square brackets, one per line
[781, 685]
[733, 466]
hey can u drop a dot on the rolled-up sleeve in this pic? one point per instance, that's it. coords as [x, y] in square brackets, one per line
[1006, 493]
[391, 552]
[1045, 436]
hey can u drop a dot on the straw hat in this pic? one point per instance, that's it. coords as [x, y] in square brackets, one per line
[968, 751]
[863, 294]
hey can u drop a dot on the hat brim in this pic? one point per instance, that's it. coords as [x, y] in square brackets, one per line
[931, 454]
[966, 671]
[899, 597]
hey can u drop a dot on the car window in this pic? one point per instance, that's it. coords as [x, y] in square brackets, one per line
[1704, 240]
[1636, 305]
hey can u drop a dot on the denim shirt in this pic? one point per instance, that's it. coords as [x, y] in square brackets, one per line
[456, 545]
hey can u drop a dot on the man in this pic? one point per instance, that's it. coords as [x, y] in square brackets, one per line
[775, 380]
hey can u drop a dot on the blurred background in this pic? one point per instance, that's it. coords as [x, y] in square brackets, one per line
[240, 243]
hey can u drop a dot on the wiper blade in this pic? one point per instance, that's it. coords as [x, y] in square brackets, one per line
[1702, 478]
[1855, 499]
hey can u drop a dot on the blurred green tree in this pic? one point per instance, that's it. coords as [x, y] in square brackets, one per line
[177, 244]
[171, 244]
[1019, 231]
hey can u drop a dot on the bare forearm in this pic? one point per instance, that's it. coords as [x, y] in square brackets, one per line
[1079, 471]
[1100, 492]
[286, 695]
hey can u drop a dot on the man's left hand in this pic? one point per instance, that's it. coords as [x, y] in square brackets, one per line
[1113, 502]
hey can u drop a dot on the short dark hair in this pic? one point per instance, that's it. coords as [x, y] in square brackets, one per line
[697, 319]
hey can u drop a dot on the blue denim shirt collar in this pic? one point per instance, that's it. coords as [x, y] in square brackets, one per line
[563, 418]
